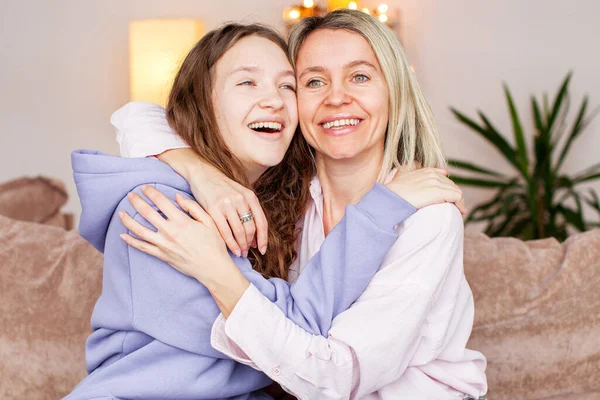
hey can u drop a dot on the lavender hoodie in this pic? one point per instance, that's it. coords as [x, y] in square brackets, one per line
[152, 324]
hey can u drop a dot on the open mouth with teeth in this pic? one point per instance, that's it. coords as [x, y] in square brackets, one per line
[340, 123]
[266, 127]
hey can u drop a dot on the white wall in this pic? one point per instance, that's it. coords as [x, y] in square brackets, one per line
[64, 68]
[463, 50]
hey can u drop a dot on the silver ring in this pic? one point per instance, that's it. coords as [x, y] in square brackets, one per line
[246, 217]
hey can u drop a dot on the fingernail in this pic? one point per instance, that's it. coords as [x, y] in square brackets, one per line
[178, 196]
[130, 195]
[121, 214]
[245, 254]
[144, 187]
[238, 253]
[122, 236]
[263, 250]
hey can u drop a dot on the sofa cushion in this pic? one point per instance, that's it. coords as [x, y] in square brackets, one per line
[50, 280]
[537, 314]
[33, 199]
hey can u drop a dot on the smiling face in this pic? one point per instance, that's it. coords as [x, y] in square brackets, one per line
[255, 103]
[342, 95]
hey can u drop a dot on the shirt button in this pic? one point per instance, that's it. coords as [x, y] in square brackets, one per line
[276, 371]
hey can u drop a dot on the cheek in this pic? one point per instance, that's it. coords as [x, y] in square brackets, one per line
[292, 109]
[306, 109]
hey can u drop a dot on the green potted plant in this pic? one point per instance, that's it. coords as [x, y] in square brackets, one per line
[540, 200]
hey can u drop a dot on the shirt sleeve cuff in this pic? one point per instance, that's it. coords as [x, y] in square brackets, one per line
[385, 207]
[220, 342]
[263, 333]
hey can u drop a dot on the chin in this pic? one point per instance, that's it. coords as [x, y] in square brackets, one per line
[338, 153]
[271, 161]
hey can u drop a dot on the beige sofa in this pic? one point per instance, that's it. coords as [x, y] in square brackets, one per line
[537, 316]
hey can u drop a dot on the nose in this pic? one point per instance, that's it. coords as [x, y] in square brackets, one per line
[272, 99]
[337, 95]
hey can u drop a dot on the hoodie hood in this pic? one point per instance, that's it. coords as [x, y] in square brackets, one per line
[103, 181]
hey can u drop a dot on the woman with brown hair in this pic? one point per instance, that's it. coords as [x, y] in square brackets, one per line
[233, 102]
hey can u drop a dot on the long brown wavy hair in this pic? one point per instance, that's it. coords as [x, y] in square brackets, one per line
[283, 190]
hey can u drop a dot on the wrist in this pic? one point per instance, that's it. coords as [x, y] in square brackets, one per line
[185, 162]
[226, 287]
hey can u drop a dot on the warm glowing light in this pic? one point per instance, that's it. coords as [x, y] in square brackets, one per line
[383, 18]
[383, 8]
[352, 5]
[156, 49]
[294, 14]
[366, 11]
[309, 3]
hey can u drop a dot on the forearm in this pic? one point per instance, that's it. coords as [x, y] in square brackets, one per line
[186, 163]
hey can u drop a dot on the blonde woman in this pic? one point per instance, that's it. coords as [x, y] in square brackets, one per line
[361, 110]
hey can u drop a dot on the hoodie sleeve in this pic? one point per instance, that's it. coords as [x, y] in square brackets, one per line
[350, 256]
[142, 130]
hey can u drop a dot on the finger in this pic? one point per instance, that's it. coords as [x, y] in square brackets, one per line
[138, 229]
[249, 227]
[220, 220]
[163, 203]
[238, 230]
[147, 211]
[451, 193]
[144, 246]
[260, 222]
[194, 209]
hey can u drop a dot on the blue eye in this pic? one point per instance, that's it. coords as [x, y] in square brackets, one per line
[246, 83]
[314, 83]
[360, 78]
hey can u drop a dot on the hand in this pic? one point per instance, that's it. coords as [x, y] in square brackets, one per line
[224, 200]
[427, 186]
[192, 246]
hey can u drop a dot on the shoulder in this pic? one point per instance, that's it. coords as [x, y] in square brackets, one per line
[167, 190]
[429, 245]
[439, 220]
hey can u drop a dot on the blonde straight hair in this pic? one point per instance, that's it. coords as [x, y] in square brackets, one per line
[411, 139]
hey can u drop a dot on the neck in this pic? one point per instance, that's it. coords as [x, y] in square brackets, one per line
[253, 172]
[345, 182]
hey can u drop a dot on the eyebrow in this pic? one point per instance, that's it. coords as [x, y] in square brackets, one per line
[357, 63]
[252, 69]
[351, 64]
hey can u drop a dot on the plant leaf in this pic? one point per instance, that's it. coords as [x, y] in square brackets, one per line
[472, 167]
[489, 133]
[537, 117]
[577, 128]
[572, 217]
[499, 228]
[558, 100]
[589, 174]
[521, 145]
[488, 183]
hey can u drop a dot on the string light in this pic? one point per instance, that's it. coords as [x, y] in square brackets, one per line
[294, 13]
[309, 3]
[383, 8]
[383, 18]
[366, 11]
[352, 5]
